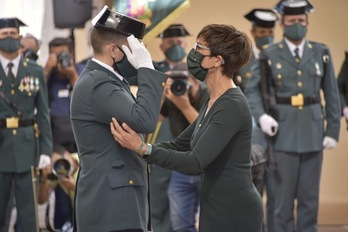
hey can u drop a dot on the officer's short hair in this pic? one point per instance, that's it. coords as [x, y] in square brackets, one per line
[101, 37]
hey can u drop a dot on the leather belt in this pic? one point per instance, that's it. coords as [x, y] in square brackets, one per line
[298, 100]
[15, 122]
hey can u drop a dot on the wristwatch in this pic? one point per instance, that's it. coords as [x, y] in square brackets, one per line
[148, 151]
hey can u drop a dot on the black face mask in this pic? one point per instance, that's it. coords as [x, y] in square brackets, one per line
[125, 69]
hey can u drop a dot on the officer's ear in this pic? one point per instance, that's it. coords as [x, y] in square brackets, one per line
[112, 50]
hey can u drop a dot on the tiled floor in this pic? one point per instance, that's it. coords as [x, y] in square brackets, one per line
[333, 228]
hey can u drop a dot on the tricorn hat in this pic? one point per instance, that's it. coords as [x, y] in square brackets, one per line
[174, 30]
[262, 17]
[294, 7]
[11, 22]
[119, 23]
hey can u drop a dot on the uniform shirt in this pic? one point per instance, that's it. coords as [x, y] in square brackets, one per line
[15, 62]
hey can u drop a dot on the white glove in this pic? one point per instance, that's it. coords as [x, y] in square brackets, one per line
[44, 161]
[140, 56]
[329, 142]
[268, 125]
[345, 112]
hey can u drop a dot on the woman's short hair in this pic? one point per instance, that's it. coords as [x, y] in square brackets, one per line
[225, 40]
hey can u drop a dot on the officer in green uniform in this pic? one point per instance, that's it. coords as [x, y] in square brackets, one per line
[300, 69]
[342, 82]
[112, 186]
[262, 31]
[25, 131]
[173, 45]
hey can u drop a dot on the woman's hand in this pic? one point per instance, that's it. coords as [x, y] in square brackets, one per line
[126, 137]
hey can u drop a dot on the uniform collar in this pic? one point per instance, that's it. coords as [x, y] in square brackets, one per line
[292, 47]
[4, 62]
[108, 68]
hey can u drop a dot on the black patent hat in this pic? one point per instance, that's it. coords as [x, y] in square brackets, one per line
[119, 23]
[11, 22]
[174, 30]
[294, 7]
[262, 17]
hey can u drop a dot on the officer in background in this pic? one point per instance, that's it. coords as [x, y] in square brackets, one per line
[173, 45]
[342, 82]
[25, 131]
[263, 23]
[299, 69]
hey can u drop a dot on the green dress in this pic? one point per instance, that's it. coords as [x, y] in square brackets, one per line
[218, 146]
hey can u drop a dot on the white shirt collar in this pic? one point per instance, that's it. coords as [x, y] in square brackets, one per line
[292, 47]
[4, 62]
[256, 52]
[108, 68]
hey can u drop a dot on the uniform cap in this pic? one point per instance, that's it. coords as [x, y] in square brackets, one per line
[11, 22]
[174, 30]
[293, 7]
[262, 17]
[119, 23]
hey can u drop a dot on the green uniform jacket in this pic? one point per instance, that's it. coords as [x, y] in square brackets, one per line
[19, 148]
[112, 185]
[244, 73]
[301, 129]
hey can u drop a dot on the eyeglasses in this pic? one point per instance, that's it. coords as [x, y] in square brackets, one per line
[201, 46]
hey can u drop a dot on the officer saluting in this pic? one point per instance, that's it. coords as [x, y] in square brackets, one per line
[299, 69]
[22, 93]
[112, 187]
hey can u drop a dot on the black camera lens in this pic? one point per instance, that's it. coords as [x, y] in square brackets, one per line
[64, 59]
[179, 87]
[30, 54]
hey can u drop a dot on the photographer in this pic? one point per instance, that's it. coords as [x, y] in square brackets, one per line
[184, 96]
[61, 74]
[57, 186]
[30, 46]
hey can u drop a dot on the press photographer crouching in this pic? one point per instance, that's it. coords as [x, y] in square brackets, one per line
[61, 73]
[57, 187]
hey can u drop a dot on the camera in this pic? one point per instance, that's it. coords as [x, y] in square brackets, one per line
[64, 58]
[180, 83]
[30, 54]
[60, 169]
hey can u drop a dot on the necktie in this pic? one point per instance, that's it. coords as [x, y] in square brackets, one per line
[297, 55]
[10, 75]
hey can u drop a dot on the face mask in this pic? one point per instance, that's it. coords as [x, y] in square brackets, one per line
[194, 60]
[9, 44]
[295, 32]
[127, 70]
[260, 42]
[175, 53]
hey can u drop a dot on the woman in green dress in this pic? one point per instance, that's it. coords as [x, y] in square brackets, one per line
[217, 144]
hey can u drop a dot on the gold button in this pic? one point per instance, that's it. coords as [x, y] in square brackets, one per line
[299, 84]
[299, 72]
[29, 94]
[13, 91]
[300, 107]
[14, 132]
[131, 182]
[279, 65]
[279, 76]
[248, 74]
[163, 84]
[297, 60]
